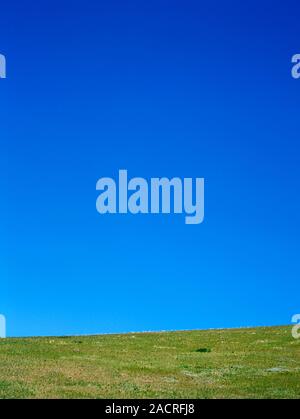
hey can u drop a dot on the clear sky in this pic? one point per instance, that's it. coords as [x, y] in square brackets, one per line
[160, 88]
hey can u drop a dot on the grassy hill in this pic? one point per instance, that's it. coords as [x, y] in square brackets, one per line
[244, 363]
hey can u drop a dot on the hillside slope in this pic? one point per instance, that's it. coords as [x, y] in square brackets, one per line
[243, 363]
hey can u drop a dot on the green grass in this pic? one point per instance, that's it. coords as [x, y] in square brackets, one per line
[243, 363]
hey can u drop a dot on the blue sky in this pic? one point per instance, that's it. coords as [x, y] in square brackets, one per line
[160, 88]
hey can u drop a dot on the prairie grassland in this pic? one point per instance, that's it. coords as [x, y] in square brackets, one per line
[241, 363]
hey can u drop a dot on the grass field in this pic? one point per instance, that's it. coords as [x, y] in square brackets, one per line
[243, 363]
